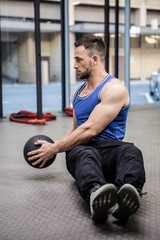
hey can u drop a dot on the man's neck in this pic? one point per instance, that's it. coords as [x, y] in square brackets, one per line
[95, 80]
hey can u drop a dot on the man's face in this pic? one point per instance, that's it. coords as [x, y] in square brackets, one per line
[83, 63]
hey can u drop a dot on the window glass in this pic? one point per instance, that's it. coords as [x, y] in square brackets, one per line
[18, 55]
[18, 60]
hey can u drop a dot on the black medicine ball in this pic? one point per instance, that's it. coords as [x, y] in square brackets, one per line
[30, 146]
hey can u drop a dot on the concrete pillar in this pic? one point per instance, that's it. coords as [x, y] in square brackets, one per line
[143, 13]
[26, 58]
[71, 41]
[55, 56]
[141, 16]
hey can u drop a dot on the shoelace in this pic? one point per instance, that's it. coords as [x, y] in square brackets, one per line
[141, 194]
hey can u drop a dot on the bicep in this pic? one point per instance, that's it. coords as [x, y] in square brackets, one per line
[101, 116]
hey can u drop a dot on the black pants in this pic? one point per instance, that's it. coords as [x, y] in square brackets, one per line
[106, 161]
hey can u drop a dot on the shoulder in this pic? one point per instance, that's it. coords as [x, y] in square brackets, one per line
[114, 85]
[115, 90]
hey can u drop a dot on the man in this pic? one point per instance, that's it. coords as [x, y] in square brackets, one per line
[107, 170]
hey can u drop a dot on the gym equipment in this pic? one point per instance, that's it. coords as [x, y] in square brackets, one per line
[31, 117]
[30, 146]
[69, 111]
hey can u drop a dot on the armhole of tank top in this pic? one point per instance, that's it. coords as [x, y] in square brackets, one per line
[108, 76]
[127, 106]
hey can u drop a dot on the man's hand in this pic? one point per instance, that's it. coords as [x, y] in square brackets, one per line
[43, 154]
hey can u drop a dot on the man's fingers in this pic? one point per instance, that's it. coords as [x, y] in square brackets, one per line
[33, 155]
[42, 165]
[36, 162]
[40, 142]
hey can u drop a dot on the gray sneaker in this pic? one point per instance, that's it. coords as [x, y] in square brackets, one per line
[128, 203]
[101, 200]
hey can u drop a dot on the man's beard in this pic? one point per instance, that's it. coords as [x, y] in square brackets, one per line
[86, 74]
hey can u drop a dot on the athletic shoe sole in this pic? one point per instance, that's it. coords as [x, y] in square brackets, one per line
[102, 200]
[128, 201]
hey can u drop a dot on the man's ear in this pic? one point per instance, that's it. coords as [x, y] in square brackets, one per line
[95, 59]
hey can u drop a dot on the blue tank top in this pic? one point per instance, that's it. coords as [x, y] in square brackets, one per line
[83, 106]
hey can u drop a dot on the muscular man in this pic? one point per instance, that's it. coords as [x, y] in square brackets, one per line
[107, 170]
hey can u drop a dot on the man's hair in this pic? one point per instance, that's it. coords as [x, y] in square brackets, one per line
[94, 45]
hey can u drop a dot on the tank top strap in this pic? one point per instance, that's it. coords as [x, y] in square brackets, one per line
[107, 78]
[78, 90]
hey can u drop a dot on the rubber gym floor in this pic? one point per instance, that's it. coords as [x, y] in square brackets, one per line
[43, 204]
